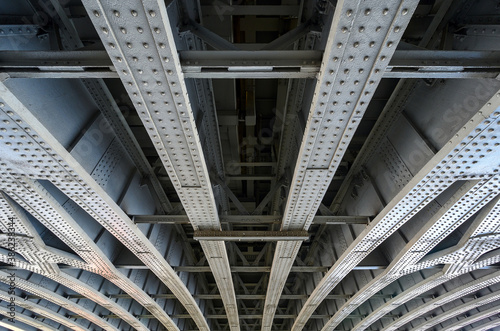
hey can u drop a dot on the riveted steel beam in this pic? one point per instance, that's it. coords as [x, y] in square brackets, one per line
[460, 309]
[139, 40]
[39, 325]
[41, 310]
[50, 296]
[355, 44]
[406, 204]
[475, 318]
[44, 262]
[74, 181]
[469, 199]
[251, 235]
[250, 219]
[463, 260]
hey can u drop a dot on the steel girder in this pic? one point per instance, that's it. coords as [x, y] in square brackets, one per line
[486, 299]
[475, 318]
[43, 260]
[140, 42]
[36, 200]
[50, 296]
[362, 39]
[68, 175]
[42, 311]
[452, 295]
[38, 325]
[466, 253]
[429, 182]
[469, 199]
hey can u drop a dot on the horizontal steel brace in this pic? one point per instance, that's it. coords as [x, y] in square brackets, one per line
[266, 10]
[250, 219]
[251, 64]
[251, 235]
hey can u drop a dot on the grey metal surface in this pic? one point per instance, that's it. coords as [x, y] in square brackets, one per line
[170, 165]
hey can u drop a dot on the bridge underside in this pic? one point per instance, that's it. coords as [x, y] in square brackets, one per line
[250, 165]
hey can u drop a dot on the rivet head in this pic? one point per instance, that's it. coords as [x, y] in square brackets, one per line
[385, 11]
[146, 45]
[367, 11]
[116, 13]
[134, 13]
[152, 13]
[349, 13]
[140, 30]
[104, 30]
[96, 13]
[123, 30]
[404, 11]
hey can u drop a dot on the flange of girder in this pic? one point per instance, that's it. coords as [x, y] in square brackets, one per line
[468, 252]
[469, 199]
[250, 236]
[140, 42]
[45, 158]
[457, 160]
[362, 39]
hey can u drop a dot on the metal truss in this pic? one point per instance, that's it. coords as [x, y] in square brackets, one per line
[139, 40]
[469, 198]
[489, 298]
[473, 319]
[424, 187]
[66, 174]
[355, 44]
[44, 261]
[38, 325]
[470, 248]
[50, 296]
[42, 311]
[455, 294]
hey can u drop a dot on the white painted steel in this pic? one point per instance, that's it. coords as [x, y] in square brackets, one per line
[465, 253]
[26, 320]
[456, 161]
[468, 200]
[60, 168]
[362, 39]
[40, 310]
[139, 40]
